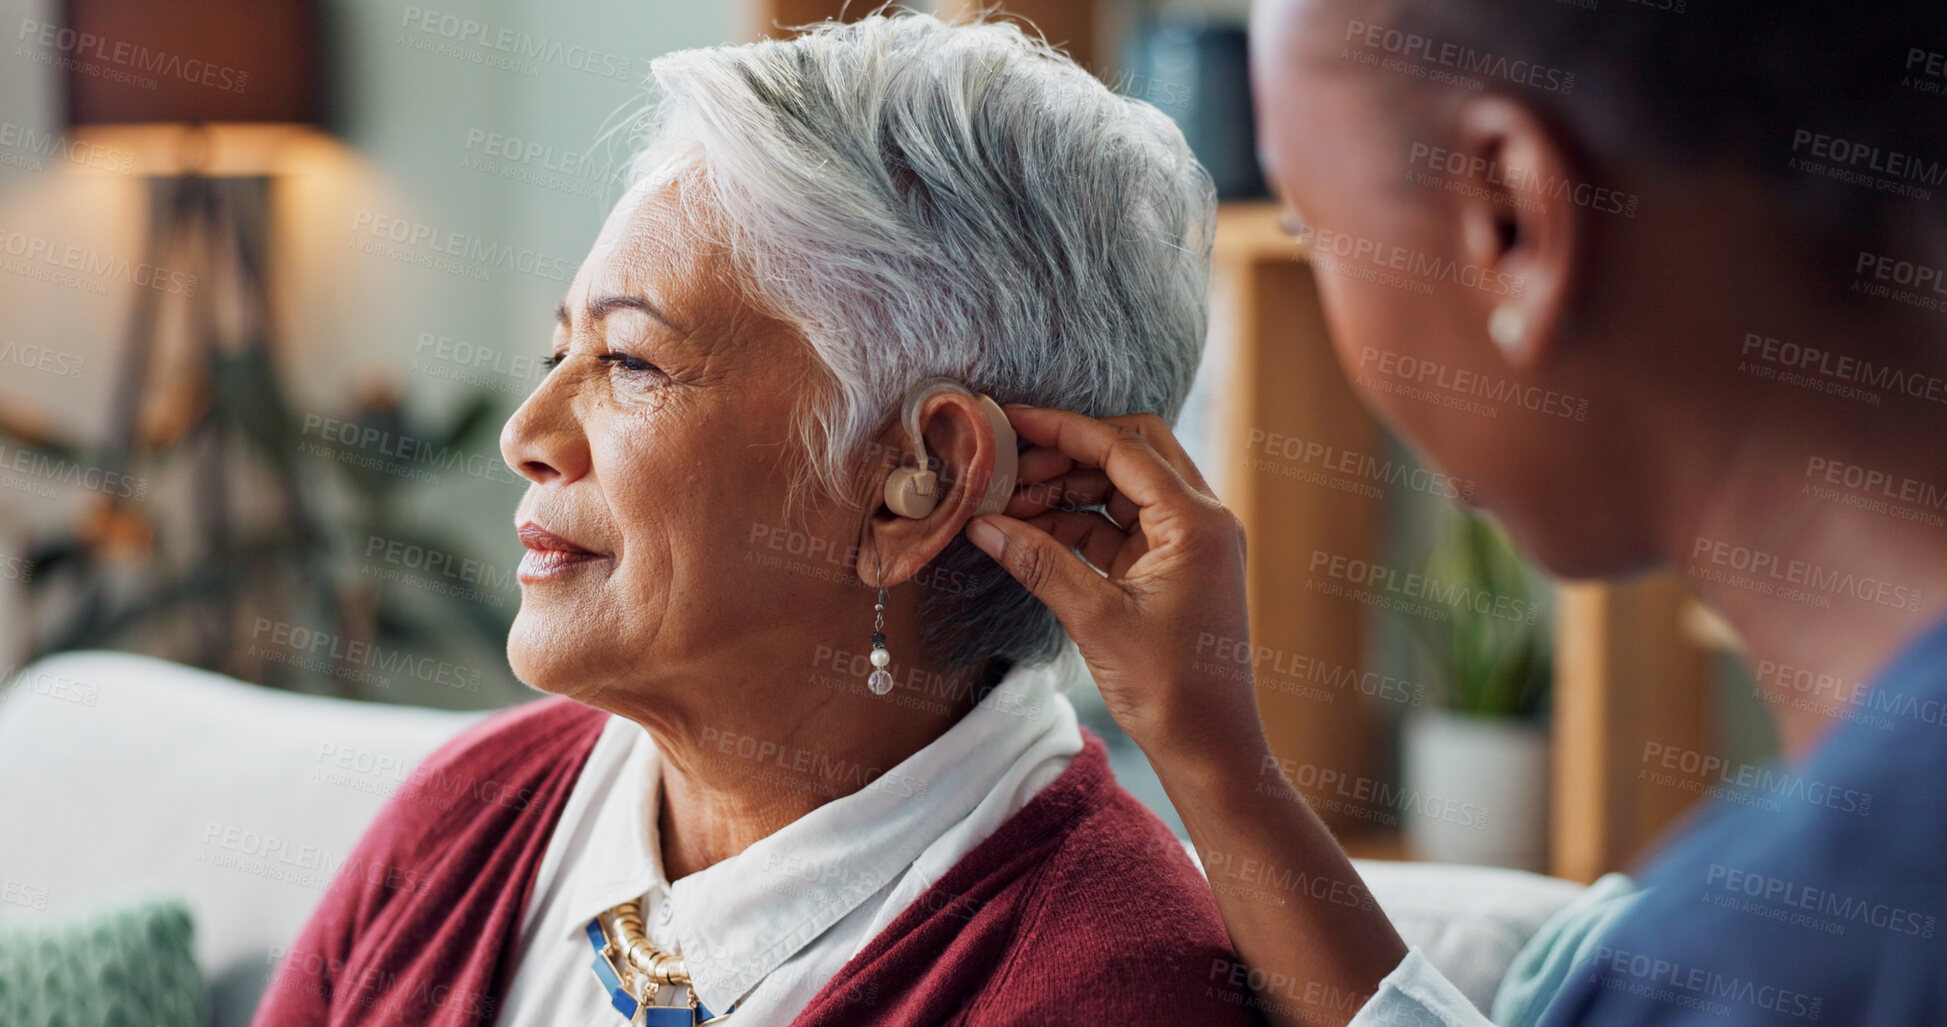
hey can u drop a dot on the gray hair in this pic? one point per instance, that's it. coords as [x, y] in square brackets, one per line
[922, 199]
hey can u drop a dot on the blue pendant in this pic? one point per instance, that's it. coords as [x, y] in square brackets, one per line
[618, 996]
[625, 1003]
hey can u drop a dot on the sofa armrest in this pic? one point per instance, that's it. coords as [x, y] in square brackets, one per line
[123, 773]
[1470, 921]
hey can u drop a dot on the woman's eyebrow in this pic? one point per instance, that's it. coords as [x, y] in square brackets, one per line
[600, 307]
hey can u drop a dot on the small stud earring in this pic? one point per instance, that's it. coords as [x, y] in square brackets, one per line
[881, 679]
[1508, 327]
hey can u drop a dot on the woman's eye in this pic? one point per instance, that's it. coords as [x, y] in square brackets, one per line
[628, 363]
[553, 360]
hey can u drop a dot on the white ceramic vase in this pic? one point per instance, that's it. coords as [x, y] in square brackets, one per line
[1476, 789]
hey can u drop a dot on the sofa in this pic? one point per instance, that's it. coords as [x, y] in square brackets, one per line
[122, 774]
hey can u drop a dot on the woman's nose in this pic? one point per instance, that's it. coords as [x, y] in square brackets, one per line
[544, 442]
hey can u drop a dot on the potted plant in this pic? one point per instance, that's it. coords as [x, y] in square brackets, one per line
[1476, 761]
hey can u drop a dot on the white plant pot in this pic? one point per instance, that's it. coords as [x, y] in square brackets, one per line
[1476, 790]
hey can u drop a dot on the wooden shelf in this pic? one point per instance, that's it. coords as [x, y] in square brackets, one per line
[1281, 380]
[1253, 230]
[1370, 844]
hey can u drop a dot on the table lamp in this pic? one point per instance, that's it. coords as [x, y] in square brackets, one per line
[197, 91]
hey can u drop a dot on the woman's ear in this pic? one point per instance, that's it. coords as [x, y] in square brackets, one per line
[1520, 226]
[962, 450]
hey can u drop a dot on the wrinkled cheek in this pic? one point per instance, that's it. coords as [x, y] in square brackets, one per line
[653, 591]
[643, 580]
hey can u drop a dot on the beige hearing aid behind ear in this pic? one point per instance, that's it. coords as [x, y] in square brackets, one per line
[914, 491]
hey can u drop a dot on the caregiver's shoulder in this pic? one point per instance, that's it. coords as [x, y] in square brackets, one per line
[1816, 895]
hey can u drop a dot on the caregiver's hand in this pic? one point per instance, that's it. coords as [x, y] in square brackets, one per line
[1158, 608]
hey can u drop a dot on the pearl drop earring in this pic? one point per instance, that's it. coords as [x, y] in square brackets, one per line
[1508, 327]
[881, 679]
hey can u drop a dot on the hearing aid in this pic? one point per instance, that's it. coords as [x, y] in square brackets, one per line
[913, 491]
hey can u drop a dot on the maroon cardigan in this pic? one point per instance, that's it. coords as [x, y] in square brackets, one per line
[1081, 908]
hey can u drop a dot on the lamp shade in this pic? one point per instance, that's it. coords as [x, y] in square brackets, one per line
[200, 62]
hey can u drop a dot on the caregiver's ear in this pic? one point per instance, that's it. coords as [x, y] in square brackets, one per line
[964, 451]
[1520, 225]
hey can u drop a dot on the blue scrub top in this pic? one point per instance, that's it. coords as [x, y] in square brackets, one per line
[1806, 894]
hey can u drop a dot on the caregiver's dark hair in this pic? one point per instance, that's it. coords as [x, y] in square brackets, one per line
[1734, 84]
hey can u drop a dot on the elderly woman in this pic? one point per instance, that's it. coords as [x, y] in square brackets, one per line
[716, 817]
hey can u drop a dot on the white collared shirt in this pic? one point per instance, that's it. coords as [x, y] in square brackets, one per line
[767, 928]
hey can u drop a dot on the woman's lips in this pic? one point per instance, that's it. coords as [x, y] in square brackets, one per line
[549, 554]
